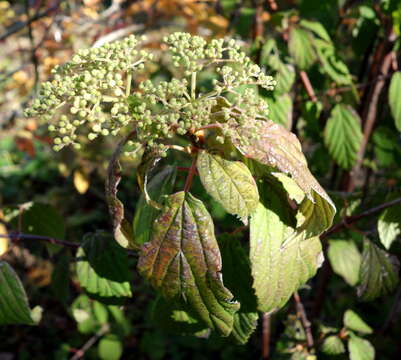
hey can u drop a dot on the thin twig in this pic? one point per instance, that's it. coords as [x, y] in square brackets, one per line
[304, 320]
[18, 235]
[307, 85]
[191, 173]
[353, 219]
[266, 334]
[81, 352]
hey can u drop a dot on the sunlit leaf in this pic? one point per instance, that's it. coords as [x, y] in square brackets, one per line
[300, 46]
[183, 261]
[332, 345]
[394, 98]
[343, 135]
[379, 272]
[282, 259]
[102, 268]
[360, 349]
[81, 181]
[389, 225]
[345, 260]
[354, 322]
[110, 347]
[14, 307]
[230, 183]
[276, 147]
[161, 184]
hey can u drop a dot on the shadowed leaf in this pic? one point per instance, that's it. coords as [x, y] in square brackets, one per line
[161, 184]
[102, 268]
[14, 307]
[379, 272]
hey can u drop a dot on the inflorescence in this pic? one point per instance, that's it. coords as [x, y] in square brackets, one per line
[93, 92]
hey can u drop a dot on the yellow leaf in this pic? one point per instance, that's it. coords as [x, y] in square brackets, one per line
[81, 182]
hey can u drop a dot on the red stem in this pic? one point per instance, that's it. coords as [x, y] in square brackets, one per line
[191, 173]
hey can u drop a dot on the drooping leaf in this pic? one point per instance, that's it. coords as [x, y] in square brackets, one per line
[379, 272]
[110, 347]
[149, 160]
[102, 268]
[394, 98]
[332, 345]
[276, 147]
[389, 225]
[14, 307]
[300, 46]
[280, 110]
[282, 259]
[360, 349]
[230, 183]
[121, 226]
[343, 135]
[238, 278]
[332, 64]
[354, 322]
[345, 260]
[183, 261]
[160, 185]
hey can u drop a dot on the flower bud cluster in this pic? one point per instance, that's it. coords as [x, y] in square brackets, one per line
[94, 89]
[90, 89]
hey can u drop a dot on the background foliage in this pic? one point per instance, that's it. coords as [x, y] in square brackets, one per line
[336, 64]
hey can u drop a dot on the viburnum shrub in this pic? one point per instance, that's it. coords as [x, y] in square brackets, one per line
[252, 166]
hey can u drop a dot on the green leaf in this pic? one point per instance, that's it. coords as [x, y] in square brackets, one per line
[345, 260]
[89, 314]
[285, 78]
[332, 64]
[230, 183]
[394, 98]
[161, 184]
[379, 272]
[276, 147]
[360, 349]
[354, 322]
[14, 307]
[332, 345]
[110, 347]
[389, 225]
[343, 135]
[102, 268]
[317, 28]
[282, 259]
[300, 47]
[121, 226]
[244, 325]
[280, 110]
[183, 261]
